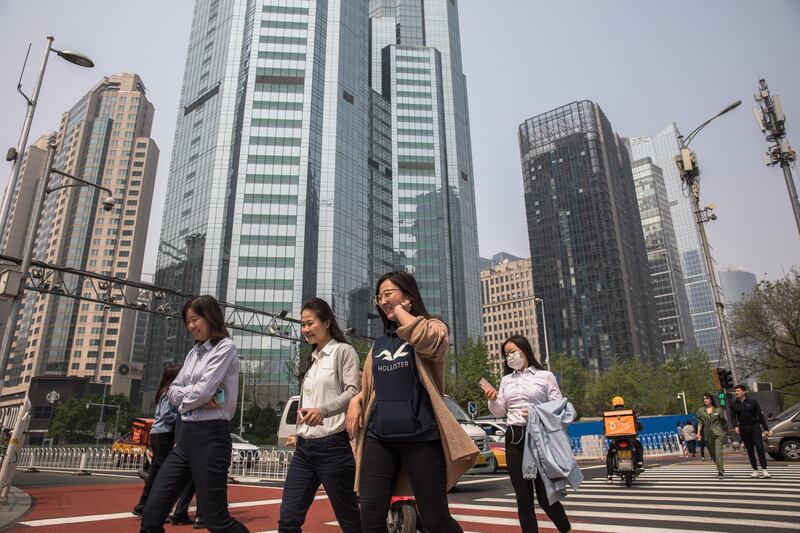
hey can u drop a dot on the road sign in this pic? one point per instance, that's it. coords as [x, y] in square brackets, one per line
[472, 408]
[100, 430]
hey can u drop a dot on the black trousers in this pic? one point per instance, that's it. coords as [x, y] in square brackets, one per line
[161, 444]
[327, 461]
[525, 488]
[182, 507]
[203, 454]
[754, 442]
[424, 463]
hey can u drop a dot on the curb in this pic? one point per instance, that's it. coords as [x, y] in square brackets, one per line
[19, 503]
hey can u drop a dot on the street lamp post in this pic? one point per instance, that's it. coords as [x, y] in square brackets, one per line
[682, 394]
[544, 326]
[42, 190]
[690, 172]
[15, 154]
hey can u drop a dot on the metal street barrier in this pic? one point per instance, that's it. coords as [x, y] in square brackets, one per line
[653, 444]
[268, 463]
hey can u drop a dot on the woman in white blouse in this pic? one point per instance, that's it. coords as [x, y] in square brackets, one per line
[525, 384]
[323, 454]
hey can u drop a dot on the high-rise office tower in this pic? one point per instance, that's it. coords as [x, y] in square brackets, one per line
[291, 178]
[509, 307]
[104, 139]
[12, 241]
[266, 203]
[415, 69]
[666, 276]
[587, 246]
[662, 148]
[736, 287]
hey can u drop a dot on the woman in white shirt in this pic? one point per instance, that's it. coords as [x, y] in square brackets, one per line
[323, 453]
[525, 384]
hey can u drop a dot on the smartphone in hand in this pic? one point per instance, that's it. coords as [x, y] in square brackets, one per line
[485, 385]
[219, 396]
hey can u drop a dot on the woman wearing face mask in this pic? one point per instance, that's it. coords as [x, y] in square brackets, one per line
[406, 427]
[525, 384]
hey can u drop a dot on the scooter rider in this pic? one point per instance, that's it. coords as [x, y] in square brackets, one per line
[618, 404]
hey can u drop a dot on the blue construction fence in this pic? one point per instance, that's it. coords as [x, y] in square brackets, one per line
[658, 432]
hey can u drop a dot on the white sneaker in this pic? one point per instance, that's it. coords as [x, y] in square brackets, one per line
[764, 473]
[754, 474]
[609, 479]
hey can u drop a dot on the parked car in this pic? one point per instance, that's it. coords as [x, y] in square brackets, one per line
[495, 429]
[784, 443]
[243, 450]
[496, 433]
[485, 463]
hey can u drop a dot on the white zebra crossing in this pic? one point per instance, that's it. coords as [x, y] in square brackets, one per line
[683, 497]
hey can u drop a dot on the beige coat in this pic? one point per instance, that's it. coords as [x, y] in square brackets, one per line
[429, 338]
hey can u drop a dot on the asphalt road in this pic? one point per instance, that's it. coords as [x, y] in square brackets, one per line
[671, 496]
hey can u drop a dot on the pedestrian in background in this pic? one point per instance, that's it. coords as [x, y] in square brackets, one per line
[322, 452]
[405, 432]
[748, 421]
[712, 426]
[525, 383]
[205, 392]
[162, 432]
[681, 442]
[690, 436]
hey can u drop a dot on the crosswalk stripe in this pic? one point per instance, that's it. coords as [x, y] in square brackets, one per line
[661, 507]
[719, 484]
[576, 526]
[658, 496]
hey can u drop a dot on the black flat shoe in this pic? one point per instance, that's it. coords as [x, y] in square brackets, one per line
[199, 524]
[180, 520]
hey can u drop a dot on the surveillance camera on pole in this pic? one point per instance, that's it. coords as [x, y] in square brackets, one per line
[108, 203]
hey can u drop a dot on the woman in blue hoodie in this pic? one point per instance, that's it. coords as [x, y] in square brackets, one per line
[162, 432]
[406, 427]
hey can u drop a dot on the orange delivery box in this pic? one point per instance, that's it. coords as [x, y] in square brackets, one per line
[619, 423]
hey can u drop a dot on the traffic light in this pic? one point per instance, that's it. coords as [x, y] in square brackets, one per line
[716, 377]
[722, 399]
[726, 379]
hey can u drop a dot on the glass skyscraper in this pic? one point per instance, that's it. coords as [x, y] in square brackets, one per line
[415, 70]
[587, 247]
[672, 305]
[662, 148]
[292, 178]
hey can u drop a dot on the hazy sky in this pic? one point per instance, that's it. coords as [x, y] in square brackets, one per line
[646, 63]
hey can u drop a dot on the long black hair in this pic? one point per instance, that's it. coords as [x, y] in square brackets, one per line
[324, 313]
[710, 397]
[406, 283]
[167, 377]
[207, 307]
[525, 347]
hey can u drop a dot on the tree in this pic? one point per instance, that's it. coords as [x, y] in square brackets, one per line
[690, 374]
[767, 323]
[74, 423]
[473, 364]
[261, 424]
[575, 380]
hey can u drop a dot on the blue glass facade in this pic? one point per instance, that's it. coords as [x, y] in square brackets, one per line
[415, 64]
[662, 149]
[299, 153]
[666, 276]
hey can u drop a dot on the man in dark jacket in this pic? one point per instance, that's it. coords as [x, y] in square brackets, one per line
[618, 404]
[748, 421]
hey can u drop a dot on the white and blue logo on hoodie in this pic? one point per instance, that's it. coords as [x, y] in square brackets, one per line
[394, 359]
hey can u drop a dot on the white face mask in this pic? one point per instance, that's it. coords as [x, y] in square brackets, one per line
[515, 360]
